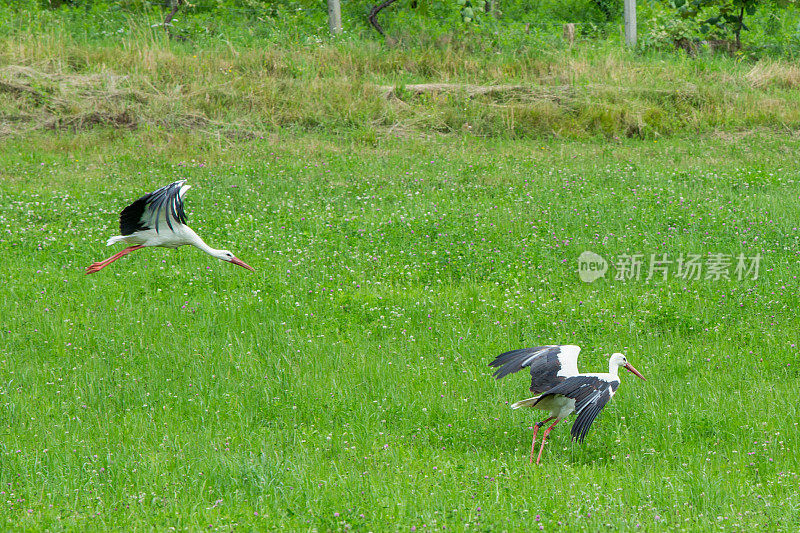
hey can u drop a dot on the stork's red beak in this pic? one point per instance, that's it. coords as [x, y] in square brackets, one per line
[633, 370]
[237, 261]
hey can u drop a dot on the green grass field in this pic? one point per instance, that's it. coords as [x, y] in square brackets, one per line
[344, 383]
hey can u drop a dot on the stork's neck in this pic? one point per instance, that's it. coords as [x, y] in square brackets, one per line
[613, 369]
[201, 244]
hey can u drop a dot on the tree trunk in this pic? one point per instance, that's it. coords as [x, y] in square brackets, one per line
[176, 5]
[739, 28]
[374, 13]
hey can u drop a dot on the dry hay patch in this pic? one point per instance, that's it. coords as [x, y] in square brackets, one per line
[769, 73]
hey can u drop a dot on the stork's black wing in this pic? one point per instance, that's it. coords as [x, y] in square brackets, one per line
[591, 394]
[549, 365]
[163, 205]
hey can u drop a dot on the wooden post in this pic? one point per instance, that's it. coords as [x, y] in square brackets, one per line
[335, 17]
[568, 32]
[630, 23]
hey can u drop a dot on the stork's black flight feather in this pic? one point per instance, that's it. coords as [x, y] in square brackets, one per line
[549, 365]
[590, 393]
[145, 213]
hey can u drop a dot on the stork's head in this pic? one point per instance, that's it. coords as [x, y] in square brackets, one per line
[225, 255]
[618, 360]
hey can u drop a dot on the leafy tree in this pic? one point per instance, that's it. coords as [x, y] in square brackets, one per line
[723, 16]
[470, 9]
[610, 9]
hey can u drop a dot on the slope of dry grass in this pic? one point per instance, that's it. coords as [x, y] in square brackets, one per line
[55, 81]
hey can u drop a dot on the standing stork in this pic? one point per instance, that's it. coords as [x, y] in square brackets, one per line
[158, 219]
[561, 389]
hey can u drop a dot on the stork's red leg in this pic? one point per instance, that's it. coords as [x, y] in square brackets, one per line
[544, 438]
[99, 265]
[536, 430]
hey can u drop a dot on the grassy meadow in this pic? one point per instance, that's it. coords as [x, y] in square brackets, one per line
[343, 384]
[401, 240]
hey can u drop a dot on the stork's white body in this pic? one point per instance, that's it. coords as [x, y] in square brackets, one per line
[559, 407]
[179, 236]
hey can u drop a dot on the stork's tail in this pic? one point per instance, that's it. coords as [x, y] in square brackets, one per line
[115, 239]
[530, 402]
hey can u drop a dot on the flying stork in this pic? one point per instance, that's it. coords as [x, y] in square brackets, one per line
[158, 219]
[561, 389]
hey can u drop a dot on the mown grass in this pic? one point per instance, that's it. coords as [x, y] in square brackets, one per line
[52, 78]
[343, 384]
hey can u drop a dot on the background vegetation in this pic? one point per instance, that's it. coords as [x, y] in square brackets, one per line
[770, 26]
[78, 67]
